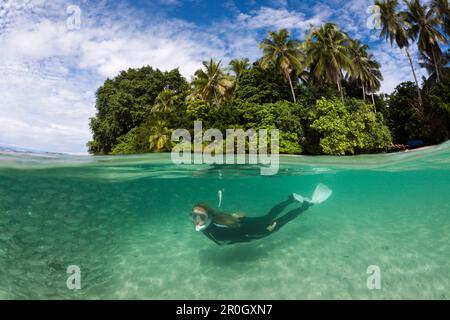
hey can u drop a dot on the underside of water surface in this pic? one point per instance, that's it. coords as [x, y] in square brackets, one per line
[125, 222]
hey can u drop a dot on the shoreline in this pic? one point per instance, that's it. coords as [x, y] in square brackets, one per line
[27, 151]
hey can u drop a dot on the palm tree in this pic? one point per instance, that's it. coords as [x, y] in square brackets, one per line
[285, 55]
[360, 66]
[212, 84]
[374, 78]
[423, 26]
[365, 70]
[238, 67]
[392, 28]
[442, 10]
[427, 63]
[329, 54]
[304, 76]
[165, 101]
[160, 138]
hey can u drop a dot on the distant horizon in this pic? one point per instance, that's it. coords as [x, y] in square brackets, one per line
[16, 148]
[4, 147]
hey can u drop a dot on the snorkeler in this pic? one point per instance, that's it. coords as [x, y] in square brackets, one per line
[228, 229]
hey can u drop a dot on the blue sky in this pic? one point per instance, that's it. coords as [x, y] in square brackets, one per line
[52, 63]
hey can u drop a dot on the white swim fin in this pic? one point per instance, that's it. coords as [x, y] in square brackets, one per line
[299, 198]
[321, 194]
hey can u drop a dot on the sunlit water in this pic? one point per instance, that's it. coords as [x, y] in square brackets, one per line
[125, 222]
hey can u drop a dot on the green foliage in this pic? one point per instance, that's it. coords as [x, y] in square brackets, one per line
[408, 121]
[327, 126]
[126, 143]
[439, 95]
[404, 115]
[373, 133]
[282, 115]
[289, 143]
[262, 86]
[159, 139]
[331, 120]
[198, 110]
[136, 140]
[211, 84]
[348, 130]
[126, 101]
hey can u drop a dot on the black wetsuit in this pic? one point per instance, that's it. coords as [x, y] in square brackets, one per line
[253, 228]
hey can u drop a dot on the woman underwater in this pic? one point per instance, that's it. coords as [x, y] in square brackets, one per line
[228, 229]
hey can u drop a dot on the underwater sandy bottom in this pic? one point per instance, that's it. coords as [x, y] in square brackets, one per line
[134, 240]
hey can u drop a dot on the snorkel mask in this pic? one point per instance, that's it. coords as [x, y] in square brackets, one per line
[200, 215]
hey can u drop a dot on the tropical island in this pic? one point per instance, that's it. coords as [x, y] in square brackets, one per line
[321, 92]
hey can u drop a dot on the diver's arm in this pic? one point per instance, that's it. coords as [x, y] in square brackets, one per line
[212, 238]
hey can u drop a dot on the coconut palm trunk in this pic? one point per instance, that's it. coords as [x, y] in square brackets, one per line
[373, 101]
[436, 66]
[292, 88]
[364, 93]
[215, 97]
[419, 94]
[339, 85]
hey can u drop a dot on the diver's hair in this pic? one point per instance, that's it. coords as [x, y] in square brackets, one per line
[219, 217]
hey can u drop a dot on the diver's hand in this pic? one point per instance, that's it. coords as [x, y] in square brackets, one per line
[238, 215]
[272, 227]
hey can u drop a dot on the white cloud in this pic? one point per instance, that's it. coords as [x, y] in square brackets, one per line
[395, 66]
[50, 72]
[9, 10]
[44, 110]
[266, 17]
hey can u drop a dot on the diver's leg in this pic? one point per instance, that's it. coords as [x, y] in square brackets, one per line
[291, 215]
[276, 210]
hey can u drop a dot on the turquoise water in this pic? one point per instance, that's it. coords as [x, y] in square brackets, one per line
[124, 221]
